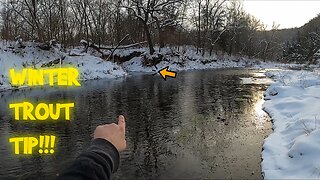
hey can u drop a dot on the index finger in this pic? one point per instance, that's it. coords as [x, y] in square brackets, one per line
[122, 123]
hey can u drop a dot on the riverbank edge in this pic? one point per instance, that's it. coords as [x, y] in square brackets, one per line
[148, 71]
[291, 150]
[124, 62]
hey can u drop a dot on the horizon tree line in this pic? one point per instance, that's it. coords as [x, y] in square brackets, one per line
[212, 26]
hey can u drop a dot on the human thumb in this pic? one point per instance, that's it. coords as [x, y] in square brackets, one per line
[122, 123]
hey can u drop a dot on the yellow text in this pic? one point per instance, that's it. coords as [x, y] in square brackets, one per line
[25, 145]
[40, 77]
[41, 111]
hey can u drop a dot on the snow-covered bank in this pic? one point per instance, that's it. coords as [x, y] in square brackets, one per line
[89, 66]
[292, 151]
[188, 59]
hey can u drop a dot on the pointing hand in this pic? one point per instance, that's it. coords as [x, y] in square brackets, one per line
[114, 133]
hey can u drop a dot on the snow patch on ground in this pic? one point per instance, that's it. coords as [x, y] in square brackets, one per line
[188, 59]
[292, 151]
[89, 66]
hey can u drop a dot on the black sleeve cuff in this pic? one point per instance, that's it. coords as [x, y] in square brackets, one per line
[102, 146]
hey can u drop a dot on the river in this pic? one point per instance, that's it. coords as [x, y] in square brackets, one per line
[203, 124]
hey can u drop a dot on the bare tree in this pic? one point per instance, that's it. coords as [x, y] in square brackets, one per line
[146, 12]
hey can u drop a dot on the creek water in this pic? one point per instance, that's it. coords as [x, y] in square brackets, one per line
[202, 124]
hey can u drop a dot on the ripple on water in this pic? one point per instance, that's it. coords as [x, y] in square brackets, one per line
[202, 124]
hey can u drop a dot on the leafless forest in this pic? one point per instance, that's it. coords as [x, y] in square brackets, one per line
[211, 26]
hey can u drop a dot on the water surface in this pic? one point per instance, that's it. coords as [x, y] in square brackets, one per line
[203, 124]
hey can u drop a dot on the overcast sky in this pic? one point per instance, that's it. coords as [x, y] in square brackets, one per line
[287, 13]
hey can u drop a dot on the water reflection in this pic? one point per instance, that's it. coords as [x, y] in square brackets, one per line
[200, 125]
[261, 115]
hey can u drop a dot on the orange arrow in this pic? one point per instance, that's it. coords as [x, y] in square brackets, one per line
[166, 73]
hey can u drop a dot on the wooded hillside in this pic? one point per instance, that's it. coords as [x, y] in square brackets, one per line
[217, 26]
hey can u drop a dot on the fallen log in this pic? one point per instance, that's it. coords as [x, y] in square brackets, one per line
[113, 50]
[53, 62]
[93, 45]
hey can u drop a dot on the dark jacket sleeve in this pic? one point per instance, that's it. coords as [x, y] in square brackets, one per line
[98, 162]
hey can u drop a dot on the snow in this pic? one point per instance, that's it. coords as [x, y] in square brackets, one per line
[292, 150]
[188, 59]
[89, 66]
[256, 81]
[293, 100]
[83, 41]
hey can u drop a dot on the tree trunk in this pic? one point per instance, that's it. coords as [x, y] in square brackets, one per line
[161, 43]
[160, 35]
[199, 27]
[147, 31]
[160, 32]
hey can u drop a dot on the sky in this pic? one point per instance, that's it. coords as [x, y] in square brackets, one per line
[288, 14]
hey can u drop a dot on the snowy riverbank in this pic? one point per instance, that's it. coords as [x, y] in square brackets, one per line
[92, 66]
[293, 102]
[89, 66]
[188, 59]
